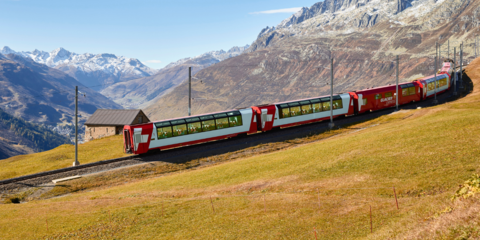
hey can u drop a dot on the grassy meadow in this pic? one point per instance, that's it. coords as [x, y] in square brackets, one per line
[322, 189]
[62, 156]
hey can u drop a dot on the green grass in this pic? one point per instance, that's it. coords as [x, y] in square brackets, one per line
[328, 185]
[62, 156]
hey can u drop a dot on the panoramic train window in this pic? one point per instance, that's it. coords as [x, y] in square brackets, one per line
[208, 123]
[316, 105]
[235, 119]
[164, 130]
[284, 110]
[388, 94]
[443, 82]
[295, 109]
[179, 127]
[221, 120]
[378, 96]
[193, 125]
[325, 104]
[306, 107]
[337, 104]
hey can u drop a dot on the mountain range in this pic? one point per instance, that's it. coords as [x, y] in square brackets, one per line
[292, 60]
[40, 94]
[94, 70]
[142, 92]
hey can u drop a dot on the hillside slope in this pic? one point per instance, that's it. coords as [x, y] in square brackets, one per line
[338, 188]
[18, 137]
[291, 61]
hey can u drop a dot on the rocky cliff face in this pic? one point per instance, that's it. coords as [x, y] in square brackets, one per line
[291, 61]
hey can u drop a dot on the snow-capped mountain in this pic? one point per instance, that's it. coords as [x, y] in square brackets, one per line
[211, 57]
[90, 69]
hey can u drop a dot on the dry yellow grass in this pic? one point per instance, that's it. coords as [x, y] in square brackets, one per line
[62, 156]
[328, 185]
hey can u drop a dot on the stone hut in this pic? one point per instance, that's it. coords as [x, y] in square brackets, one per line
[107, 122]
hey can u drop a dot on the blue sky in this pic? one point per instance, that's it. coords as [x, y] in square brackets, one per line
[156, 32]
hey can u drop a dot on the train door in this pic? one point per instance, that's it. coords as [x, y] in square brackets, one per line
[127, 142]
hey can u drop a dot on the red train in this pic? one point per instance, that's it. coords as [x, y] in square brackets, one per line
[178, 132]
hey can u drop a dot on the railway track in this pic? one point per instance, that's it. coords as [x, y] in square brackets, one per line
[186, 154]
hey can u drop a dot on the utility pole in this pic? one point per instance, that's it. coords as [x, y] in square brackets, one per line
[331, 124]
[454, 71]
[396, 96]
[435, 101]
[189, 91]
[475, 46]
[448, 48]
[461, 66]
[76, 163]
[439, 52]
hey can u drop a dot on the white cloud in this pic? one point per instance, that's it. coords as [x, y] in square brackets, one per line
[284, 10]
[154, 61]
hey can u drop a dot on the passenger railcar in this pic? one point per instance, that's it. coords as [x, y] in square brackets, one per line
[292, 113]
[385, 97]
[190, 130]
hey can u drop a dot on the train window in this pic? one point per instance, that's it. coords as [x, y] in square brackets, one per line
[404, 92]
[221, 123]
[364, 101]
[326, 106]
[295, 109]
[378, 96]
[316, 105]
[285, 112]
[411, 91]
[164, 132]
[179, 130]
[337, 104]
[388, 94]
[194, 127]
[208, 125]
[235, 121]
[306, 107]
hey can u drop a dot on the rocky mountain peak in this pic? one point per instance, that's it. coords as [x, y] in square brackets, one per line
[6, 50]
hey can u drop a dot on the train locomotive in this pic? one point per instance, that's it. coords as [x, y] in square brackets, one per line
[185, 131]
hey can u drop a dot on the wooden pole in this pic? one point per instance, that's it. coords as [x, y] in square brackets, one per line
[318, 196]
[315, 231]
[264, 204]
[395, 193]
[371, 221]
[211, 201]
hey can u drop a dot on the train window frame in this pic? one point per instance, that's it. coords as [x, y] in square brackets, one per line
[337, 104]
[295, 105]
[178, 135]
[192, 121]
[206, 129]
[306, 103]
[235, 114]
[281, 108]
[315, 102]
[162, 130]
